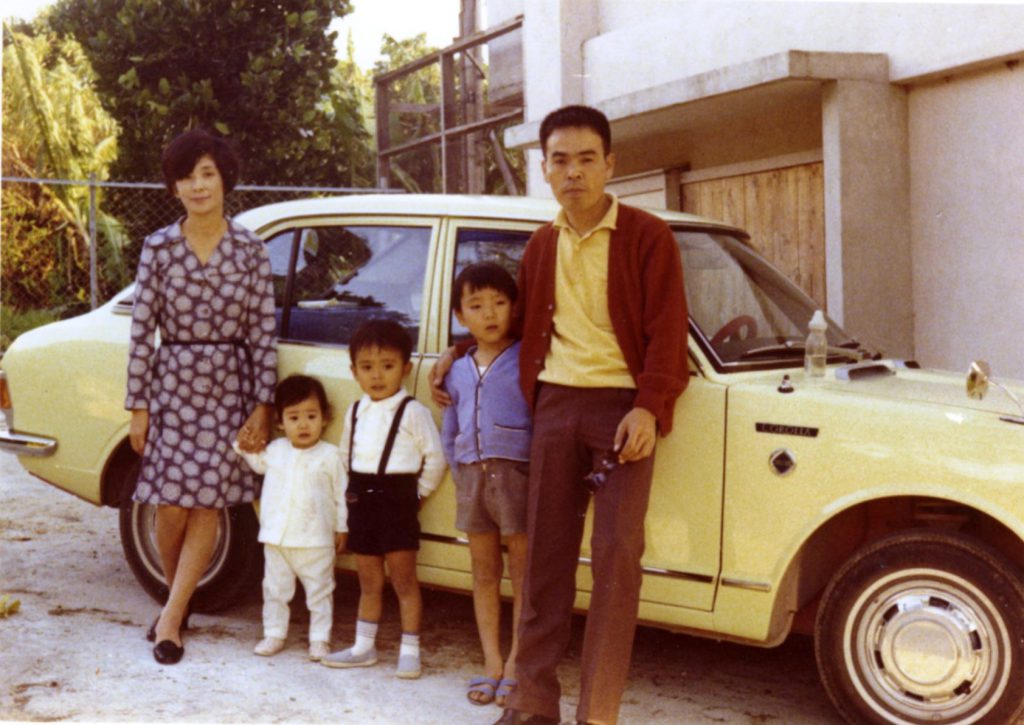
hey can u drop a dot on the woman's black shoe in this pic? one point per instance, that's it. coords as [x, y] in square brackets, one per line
[168, 653]
[151, 634]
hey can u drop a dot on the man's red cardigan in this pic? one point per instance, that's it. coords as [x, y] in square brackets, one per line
[646, 300]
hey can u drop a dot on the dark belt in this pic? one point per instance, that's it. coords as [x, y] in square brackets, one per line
[238, 343]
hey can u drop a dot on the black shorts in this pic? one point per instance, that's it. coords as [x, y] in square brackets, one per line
[383, 513]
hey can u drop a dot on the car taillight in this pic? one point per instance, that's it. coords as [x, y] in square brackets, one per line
[5, 394]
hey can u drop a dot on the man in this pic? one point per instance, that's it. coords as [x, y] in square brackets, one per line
[603, 358]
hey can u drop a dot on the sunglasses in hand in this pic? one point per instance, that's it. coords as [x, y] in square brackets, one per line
[598, 477]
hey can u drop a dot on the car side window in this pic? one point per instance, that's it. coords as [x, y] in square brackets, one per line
[346, 275]
[279, 250]
[501, 246]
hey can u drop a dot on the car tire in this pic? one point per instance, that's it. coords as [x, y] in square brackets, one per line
[923, 627]
[235, 567]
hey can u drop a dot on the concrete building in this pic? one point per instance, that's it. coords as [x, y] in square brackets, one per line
[874, 150]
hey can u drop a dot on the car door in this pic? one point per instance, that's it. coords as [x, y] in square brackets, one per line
[331, 274]
[684, 519]
[444, 551]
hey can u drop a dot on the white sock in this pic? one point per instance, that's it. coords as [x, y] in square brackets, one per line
[366, 637]
[410, 645]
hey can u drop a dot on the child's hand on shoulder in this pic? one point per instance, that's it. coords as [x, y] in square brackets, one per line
[340, 541]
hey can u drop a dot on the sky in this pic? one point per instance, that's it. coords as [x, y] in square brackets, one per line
[368, 21]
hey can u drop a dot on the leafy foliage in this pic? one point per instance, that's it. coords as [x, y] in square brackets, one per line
[8, 606]
[53, 126]
[259, 72]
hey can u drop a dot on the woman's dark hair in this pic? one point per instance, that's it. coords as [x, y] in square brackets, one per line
[382, 334]
[183, 153]
[576, 117]
[483, 275]
[296, 388]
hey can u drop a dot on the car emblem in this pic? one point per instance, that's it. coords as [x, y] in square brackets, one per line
[782, 461]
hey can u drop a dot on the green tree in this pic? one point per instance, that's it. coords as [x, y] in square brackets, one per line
[53, 126]
[259, 72]
[352, 97]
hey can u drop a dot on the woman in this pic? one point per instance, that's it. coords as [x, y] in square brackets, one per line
[205, 284]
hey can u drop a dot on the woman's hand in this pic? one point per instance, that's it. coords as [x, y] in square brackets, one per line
[340, 541]
[138, 429]
[255, 433]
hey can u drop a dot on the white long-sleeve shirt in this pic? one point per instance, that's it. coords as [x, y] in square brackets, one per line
[303, 500]
[417, 447]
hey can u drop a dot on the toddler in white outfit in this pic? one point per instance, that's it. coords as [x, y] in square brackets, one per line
[303, 515]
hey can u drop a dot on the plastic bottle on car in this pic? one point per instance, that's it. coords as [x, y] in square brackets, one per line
[816, 349]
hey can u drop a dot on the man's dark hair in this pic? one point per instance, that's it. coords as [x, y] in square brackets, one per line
[576, 117]
[483, 275]
[296, 388]
[183, 153]
[383, 334]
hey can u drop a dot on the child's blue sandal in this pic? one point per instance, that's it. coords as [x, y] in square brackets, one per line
[505, 688]
[485, 686]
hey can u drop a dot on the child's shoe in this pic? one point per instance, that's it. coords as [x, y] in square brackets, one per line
[318, 650]
[346, 658]
[269, 646]
[408, 667]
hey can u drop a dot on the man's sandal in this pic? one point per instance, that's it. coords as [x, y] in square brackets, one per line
[505, 688]
[483, 688]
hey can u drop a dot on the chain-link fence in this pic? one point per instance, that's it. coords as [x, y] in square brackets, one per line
[68, 246]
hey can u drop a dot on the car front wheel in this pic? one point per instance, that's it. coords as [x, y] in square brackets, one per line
[923, 628]
[235, 566]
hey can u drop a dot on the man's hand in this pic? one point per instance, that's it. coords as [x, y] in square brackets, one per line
[340, 541]
[138, 429]
[636, 435]
[437, 374]
[255, 433]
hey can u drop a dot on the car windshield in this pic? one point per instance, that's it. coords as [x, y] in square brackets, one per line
[746, 311]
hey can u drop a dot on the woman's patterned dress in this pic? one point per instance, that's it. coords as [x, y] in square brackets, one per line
[216, 359]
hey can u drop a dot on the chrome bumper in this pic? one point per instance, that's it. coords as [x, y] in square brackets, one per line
[20, 444]
[23, 444]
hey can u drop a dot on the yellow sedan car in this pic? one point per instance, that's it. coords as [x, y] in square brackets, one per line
[879, 508]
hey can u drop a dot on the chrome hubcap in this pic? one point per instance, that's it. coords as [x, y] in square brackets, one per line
[924, 644]
[144, 531]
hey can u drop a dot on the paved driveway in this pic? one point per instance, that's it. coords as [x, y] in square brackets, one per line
[76, 650]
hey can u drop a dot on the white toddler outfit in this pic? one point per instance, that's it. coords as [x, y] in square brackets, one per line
[301, 508]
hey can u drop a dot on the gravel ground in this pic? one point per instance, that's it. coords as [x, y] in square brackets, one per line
[76, 649]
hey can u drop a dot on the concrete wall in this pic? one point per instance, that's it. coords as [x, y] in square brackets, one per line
[668, 39]
[967, 219]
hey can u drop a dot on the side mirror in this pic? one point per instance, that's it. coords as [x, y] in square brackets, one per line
[978, 379]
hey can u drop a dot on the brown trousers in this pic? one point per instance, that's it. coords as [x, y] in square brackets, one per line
[572, 429]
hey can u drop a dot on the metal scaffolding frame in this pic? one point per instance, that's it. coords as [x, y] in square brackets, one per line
[464, 120]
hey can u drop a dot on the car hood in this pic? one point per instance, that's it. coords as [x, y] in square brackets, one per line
[892, 380]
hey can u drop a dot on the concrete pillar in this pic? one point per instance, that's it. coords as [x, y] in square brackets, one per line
[554, 32]
[867, 213]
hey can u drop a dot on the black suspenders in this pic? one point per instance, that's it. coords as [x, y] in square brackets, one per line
[392, 434]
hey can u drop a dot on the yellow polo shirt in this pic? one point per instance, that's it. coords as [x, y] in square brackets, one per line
[584, 351]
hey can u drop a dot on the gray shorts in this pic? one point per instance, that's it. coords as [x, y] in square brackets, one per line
[491, 494]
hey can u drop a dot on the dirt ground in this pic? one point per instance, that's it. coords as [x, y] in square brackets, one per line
[76, 649]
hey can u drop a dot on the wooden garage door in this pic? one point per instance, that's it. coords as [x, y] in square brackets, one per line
[784, 211]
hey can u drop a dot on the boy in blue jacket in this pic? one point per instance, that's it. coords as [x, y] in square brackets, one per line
[486, 437]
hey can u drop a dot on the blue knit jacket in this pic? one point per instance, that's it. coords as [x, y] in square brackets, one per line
[488, 417]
